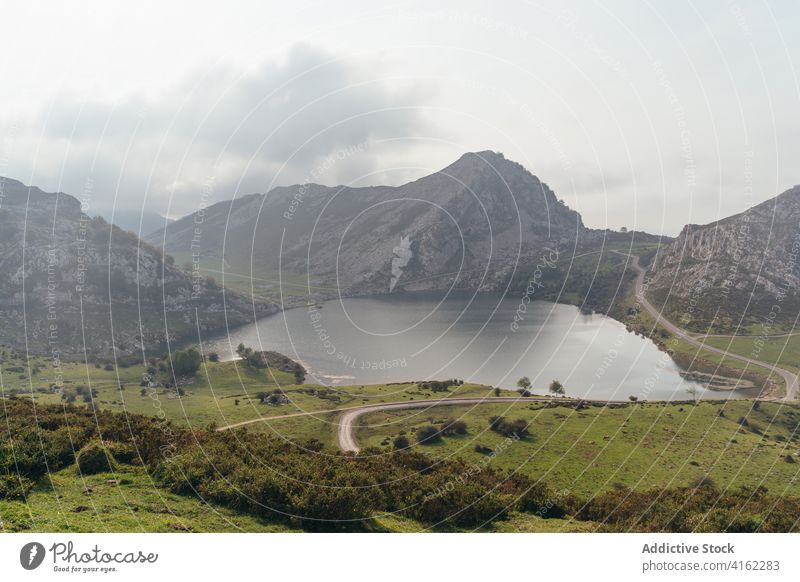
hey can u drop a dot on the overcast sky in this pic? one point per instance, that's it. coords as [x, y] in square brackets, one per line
[644, 114]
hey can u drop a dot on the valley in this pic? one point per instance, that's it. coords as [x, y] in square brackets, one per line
[659, 404]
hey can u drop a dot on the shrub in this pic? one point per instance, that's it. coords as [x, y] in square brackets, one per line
[13, 487]
[93, 458]
[538, 498]
[122, 453]
[518, 428]
[400, 443]
[428, 435]
[451, 426]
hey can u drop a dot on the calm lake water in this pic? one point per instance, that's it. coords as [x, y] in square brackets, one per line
[480, 338]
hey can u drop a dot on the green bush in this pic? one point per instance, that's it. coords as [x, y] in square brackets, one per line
[400, 443]
[15, 487]
[428, 435]
[186, 362]
[94, 458]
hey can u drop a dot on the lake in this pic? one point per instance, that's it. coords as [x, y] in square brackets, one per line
[478, 338]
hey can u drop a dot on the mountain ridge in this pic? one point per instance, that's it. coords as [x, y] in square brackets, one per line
[77, 285]
[482, 210]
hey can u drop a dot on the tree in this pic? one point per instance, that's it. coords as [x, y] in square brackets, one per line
[213, 357]
[633, 398]
[556, 388]
[186, 362]
[524, 383]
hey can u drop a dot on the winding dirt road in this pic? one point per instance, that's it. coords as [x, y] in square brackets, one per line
[789, 377]
[345, 433]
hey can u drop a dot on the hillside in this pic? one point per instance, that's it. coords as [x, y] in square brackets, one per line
[735, 270]
[471, 225]
[72, 283]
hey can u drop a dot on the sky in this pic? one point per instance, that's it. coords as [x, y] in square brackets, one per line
[643, 114]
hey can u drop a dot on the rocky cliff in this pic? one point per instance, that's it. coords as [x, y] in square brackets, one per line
[71, 283]
[735, 270]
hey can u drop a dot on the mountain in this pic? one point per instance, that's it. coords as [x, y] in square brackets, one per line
[737, 271]
[141, 222]
[72, 283]
[476, 224]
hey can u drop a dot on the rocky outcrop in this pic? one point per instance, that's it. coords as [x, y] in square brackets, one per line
[72, 284]
[737, 269]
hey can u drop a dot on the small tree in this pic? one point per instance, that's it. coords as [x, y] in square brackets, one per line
[556, 388]
[633, 398]
[186, 362]
[524, 383]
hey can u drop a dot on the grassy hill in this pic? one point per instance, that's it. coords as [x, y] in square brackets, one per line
[641, 446]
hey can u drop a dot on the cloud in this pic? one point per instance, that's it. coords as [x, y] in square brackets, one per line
[246, 130]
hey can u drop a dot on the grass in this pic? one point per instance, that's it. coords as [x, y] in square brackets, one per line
[128, 500]
[61, 503]
[780, 351]
[135, 504]
[641, 446]
[516, 523]
[223, 393]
